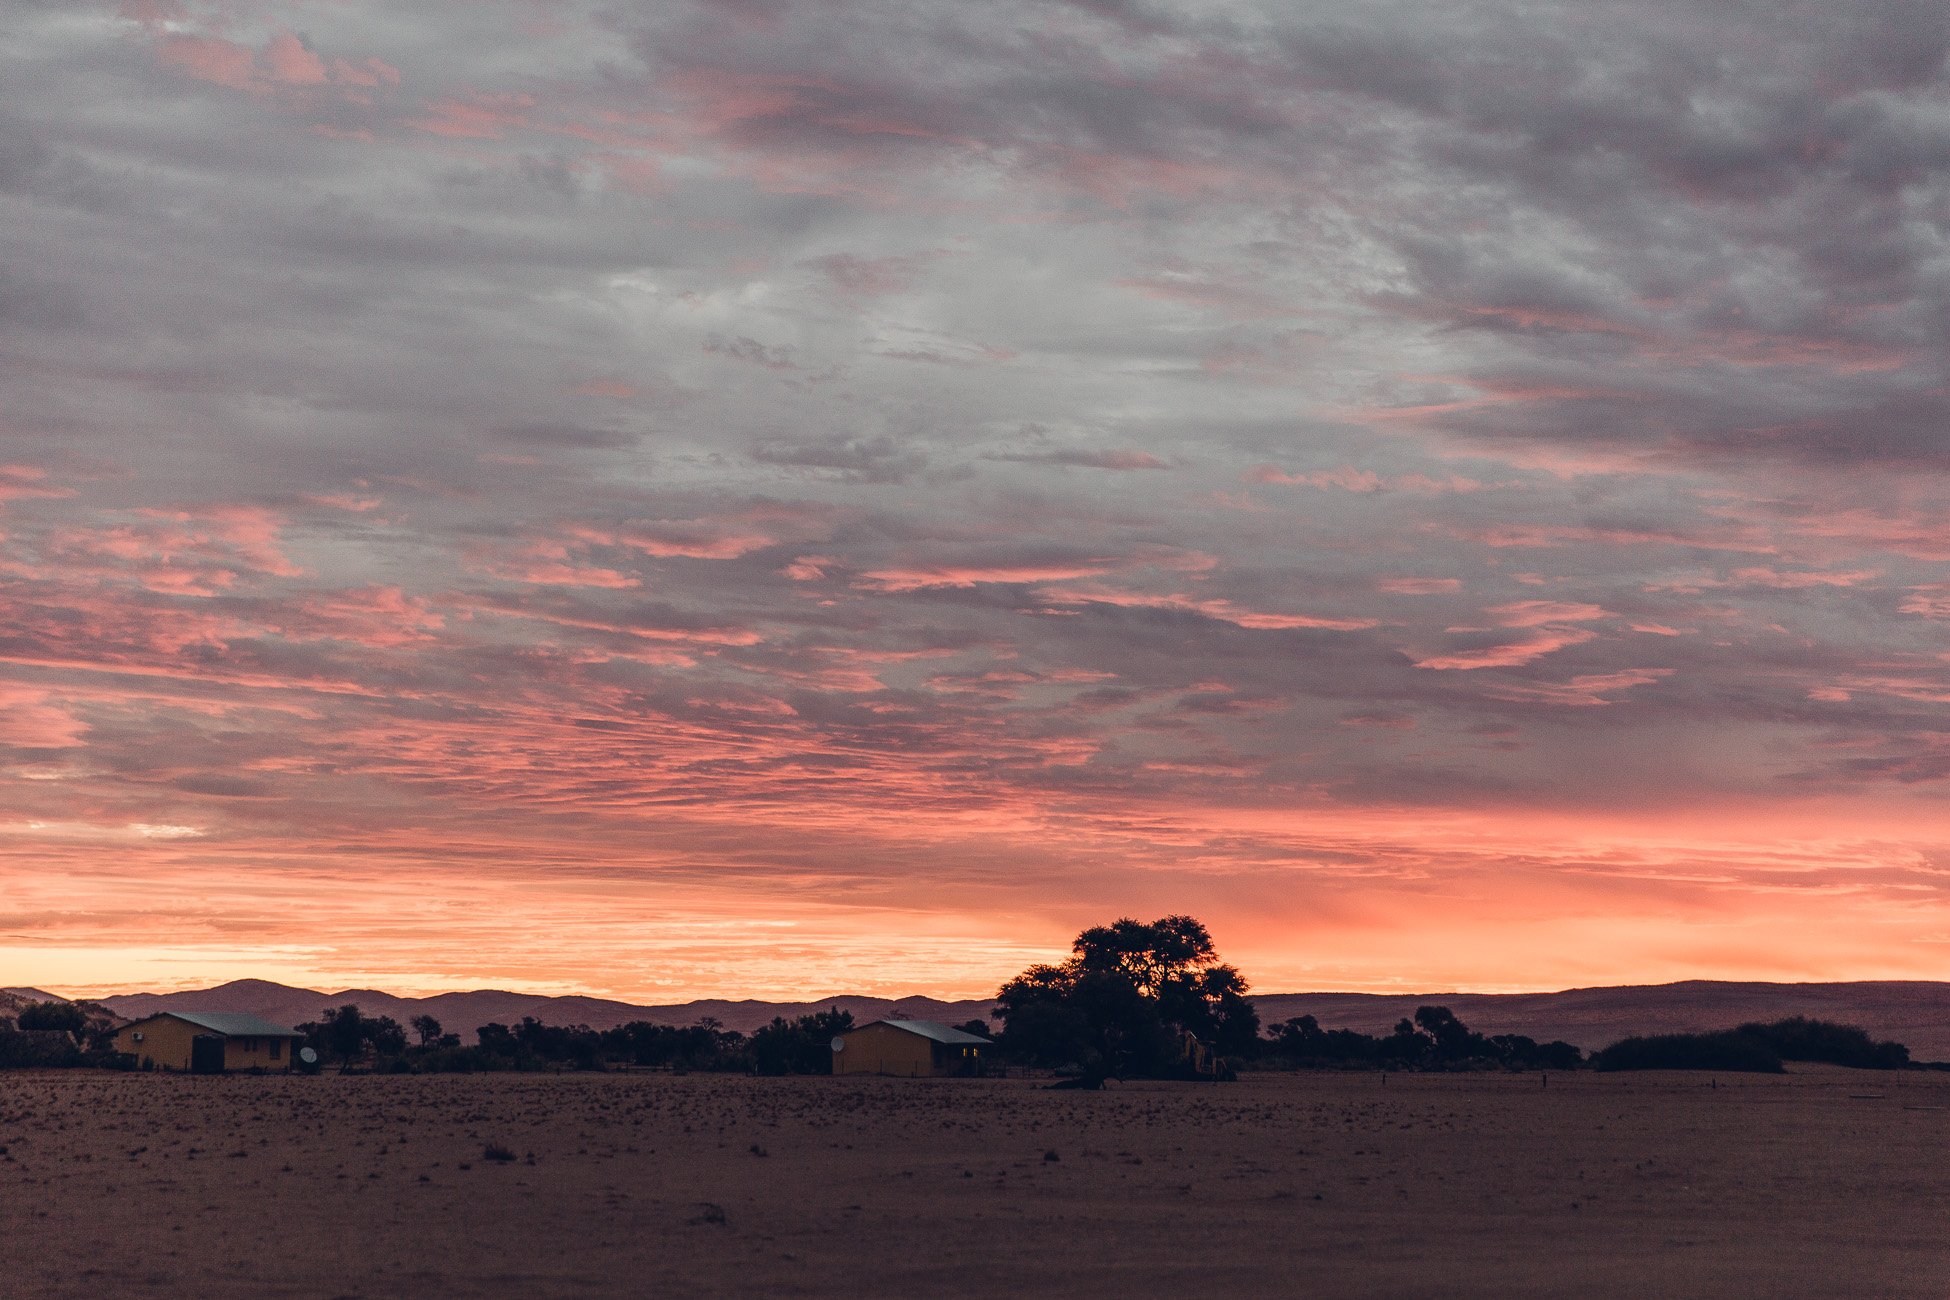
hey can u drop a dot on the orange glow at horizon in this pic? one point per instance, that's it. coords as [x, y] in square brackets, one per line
[1370, 901]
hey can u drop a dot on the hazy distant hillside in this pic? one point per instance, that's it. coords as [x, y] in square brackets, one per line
[12, 1000]
[1916, 1013]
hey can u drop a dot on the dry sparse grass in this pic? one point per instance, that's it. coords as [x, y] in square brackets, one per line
[638, 1184]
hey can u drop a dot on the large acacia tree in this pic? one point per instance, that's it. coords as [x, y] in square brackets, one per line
[1116, 1006]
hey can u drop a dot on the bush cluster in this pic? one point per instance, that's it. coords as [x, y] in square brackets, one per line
[351, 1039]
[1755, 1048]
[1434, 1039]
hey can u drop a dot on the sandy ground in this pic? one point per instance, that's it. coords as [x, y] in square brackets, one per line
[1822, 1183]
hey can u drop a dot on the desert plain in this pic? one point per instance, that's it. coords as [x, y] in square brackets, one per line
[1821, 1182]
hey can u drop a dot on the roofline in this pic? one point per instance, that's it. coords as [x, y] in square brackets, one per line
[895, 1024]
[171, 1015]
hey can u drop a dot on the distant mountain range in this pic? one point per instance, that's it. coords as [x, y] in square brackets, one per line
[1912, 1012]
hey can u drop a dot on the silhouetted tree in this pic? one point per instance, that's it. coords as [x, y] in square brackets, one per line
[800, 1046]
[1119, 1003]
[427, 1028]
[64, 1017]
[383, 1034]
[496, 1040]
[573, 1045]
[340, 1035]
[345, 1034]
[706, 1045]
[1433, 1040]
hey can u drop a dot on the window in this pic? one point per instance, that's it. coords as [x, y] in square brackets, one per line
[277, 1049]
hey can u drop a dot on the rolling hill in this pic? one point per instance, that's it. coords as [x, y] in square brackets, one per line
[465, 1012]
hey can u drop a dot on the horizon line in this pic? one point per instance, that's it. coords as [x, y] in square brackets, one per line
[932, 997]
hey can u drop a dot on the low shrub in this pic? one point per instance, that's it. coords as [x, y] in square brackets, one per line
[1728, 1050]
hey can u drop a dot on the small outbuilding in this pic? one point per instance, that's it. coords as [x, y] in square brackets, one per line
[208, 1042]
[908, 1048]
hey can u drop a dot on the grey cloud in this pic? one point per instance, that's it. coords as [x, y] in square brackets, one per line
[1085, 459]
[572, 436]
[1665, 284]
[880, 459]
[752, 351]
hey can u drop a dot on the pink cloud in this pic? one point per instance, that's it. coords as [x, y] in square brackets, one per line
[1744, 538]
[1920, 535]
[475, 116]
[1511, 654]
[808, 568]
[370, 73]
[193, 552]
[291, 64]
[715, 635]
[1418, 586]
[1771, 578]
[31, 719]
[1348, 479]
[1537, 613]
[919, 578]
[284, 64]
[25, 481]
[687, 539]
[210, 59]
[1932, 600]
[378, 617]
[1580, 692]
[1222, 610]
[543, 563]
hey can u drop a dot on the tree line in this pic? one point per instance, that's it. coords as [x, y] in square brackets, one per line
[1133, 1000]
[347, 1038]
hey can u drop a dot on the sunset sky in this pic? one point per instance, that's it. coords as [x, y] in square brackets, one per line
[751, 498]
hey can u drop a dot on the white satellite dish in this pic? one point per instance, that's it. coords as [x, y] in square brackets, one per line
[308, 1056]
[839, 1044]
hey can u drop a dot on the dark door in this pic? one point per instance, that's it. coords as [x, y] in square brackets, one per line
[206, 1054]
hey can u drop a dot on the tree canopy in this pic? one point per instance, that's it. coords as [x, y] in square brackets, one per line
[1121, 1002]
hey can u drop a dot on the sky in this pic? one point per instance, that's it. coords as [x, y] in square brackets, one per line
[768, 498]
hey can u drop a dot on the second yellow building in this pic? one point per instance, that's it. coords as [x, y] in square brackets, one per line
[908, 1048]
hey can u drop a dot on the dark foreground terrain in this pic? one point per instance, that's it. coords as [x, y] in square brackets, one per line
[1820, 1183]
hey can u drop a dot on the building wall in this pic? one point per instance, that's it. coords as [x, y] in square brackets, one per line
[261, 1053]
[166, 1044]
[883, 1049]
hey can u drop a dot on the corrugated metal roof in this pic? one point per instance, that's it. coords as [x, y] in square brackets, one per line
[940, 1033]
[232, 1024]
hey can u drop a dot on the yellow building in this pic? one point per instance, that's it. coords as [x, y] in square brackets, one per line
[908, 1048]
[208, 1042]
